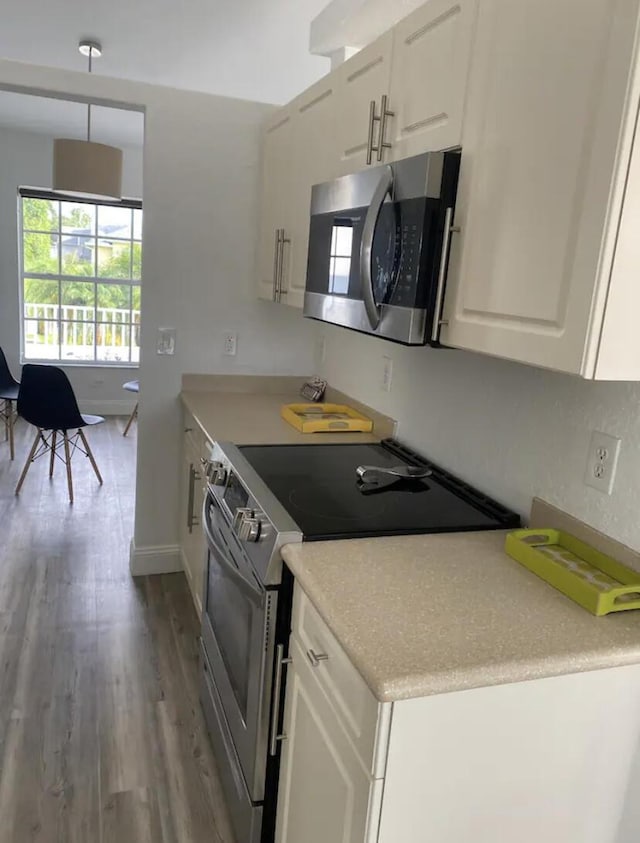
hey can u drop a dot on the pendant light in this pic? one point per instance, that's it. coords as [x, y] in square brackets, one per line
[83, 167]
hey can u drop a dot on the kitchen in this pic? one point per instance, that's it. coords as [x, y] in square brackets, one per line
[513, 431]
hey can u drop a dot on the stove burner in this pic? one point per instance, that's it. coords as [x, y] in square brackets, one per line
[321, 503]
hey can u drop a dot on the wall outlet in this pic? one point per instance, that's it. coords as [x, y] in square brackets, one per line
[602, 461]
[387, 374]
[230, 344]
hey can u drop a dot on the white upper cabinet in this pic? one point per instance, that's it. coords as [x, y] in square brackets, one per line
[544, 138]
[543, 99]
[274, 255]
[314, 159]
[361, 84]
[429, 71]
[619, 349]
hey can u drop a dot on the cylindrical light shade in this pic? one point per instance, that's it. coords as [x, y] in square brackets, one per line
[87, 168]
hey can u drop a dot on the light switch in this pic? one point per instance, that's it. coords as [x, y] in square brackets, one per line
[166, 341]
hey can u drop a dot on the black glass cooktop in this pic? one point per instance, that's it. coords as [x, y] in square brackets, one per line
[319, 487]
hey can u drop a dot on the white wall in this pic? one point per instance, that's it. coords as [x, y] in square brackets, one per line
[201, 173]
[512, 430]
[26, 159]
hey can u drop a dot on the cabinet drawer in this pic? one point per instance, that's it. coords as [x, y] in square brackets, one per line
[364, 719]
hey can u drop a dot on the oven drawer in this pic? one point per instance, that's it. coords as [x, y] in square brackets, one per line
[362, 716]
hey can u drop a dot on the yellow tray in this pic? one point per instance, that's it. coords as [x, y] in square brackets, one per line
[595, 581]
[325, 418]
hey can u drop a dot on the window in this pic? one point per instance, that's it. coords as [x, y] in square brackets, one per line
[81, 265]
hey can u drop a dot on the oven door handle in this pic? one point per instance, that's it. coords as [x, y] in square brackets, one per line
[243, 582]
[385, 186]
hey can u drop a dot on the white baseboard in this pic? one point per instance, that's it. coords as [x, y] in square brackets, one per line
[161, 559]
[117, 407]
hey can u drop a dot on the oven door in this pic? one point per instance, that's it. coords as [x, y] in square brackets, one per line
[238, 628]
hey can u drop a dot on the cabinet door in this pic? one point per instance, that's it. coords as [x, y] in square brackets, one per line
[360, 81]
[276, 185]
[539, 143]
[314, 160]
[324, 790]
[429, 71]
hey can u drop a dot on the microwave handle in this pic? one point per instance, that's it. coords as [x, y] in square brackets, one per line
[384, 187]
[438, 321]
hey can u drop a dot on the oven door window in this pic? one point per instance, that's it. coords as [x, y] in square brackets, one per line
[232, 607]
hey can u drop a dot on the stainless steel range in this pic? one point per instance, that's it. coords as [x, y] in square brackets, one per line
[260, 498]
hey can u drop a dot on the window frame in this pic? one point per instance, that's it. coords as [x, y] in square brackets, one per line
[94, 280]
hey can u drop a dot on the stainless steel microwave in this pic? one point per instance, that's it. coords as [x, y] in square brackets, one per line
[379, 246]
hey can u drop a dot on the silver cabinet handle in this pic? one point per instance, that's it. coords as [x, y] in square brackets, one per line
[275, 702]
[316, 658]
[283, 240]
[385, 113]
[373, 119]
[192, 520]
[449, 229]
[384, 187]
[276, 260]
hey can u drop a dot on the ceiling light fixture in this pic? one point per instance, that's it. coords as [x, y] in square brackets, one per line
[87, 168]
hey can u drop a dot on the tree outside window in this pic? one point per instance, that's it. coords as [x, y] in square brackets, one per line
[81, 270]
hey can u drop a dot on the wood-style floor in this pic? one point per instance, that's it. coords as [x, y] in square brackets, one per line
[101, 735]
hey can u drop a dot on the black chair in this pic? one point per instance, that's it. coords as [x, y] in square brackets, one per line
[46, 400]
[8, 394]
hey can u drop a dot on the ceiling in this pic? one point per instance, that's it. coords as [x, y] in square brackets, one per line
[252, 49]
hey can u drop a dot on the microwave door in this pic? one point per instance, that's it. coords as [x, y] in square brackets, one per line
[378, 250]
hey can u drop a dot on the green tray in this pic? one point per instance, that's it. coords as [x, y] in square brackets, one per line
[591, 578]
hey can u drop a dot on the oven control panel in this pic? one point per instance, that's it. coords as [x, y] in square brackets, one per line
[254, 520]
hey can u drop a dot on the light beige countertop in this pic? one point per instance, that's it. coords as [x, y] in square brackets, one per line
[246, 410]
[430, 614]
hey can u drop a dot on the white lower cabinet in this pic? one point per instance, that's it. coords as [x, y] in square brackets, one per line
[325, 790]
[553, 759]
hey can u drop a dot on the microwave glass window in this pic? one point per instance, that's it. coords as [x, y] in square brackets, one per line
[340, 257]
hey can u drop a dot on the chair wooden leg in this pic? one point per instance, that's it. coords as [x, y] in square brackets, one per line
[7, 407]
[90, 455]
[52, 459]
[67, 459]
[29, 461]
[133, 416]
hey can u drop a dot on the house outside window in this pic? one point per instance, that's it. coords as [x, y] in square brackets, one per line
[81, 264]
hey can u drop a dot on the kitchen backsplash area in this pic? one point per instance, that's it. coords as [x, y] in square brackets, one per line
[514, 431]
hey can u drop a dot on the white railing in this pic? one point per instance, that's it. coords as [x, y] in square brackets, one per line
[80, 337]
